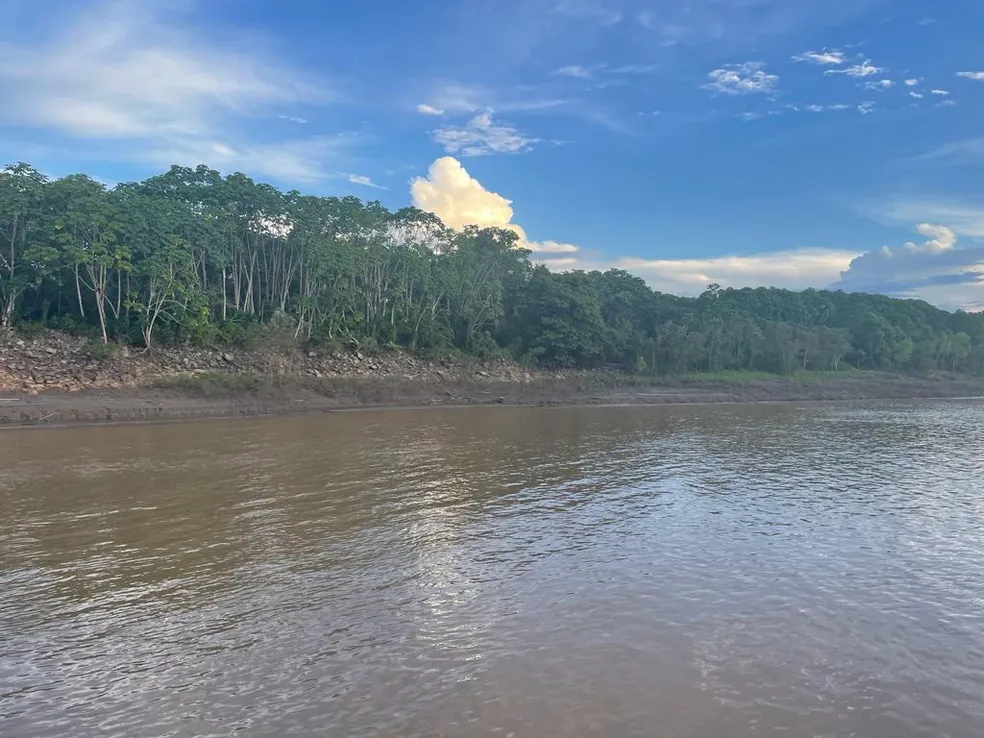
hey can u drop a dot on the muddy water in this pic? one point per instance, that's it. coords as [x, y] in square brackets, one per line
[718, 572]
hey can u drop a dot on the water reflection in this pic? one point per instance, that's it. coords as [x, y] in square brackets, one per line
[721, 571]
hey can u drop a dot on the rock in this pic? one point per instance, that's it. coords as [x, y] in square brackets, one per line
[312, 354]
[228, 358]
[50, 351]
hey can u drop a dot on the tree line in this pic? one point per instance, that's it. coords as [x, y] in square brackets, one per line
[190, 256]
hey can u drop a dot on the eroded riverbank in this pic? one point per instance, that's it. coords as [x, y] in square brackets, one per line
[218, 396]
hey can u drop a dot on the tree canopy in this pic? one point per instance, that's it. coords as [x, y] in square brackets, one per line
[190, 256]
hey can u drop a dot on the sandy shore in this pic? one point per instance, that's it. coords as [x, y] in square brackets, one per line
[191, 402]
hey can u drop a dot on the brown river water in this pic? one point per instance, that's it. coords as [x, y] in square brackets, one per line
[721, 572]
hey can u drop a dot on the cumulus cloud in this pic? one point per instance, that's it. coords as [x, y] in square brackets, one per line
[425, 109]
[459, 200]
[864, 69]
[976, 76]
[911, 82]
[741, 79]
[825, 57]
[866, 108]
[941, 93]
[482, 136]
[913, 268]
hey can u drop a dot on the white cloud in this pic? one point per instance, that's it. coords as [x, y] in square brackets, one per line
[965, 219]
[912, 82]
[574, 70]
[793, 269]
[866, 108]
[364, 181]
[459, 200]
[864, 69]
[917, 95]
[825, 57]
[976, 76]
[742, 79]
[967, 152]
[941, 93]
[451, 193]
[290, 161]
[425, 109]
[458, 98]
[125, 72]
[935, 268]
[482, 136]
[880, 84]
[823, 108]
[946, 103]
[293, 119]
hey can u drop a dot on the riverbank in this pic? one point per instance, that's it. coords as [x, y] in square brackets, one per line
[55, 379]
[202, 397]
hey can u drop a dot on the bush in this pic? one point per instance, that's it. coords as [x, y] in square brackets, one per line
[96, 350]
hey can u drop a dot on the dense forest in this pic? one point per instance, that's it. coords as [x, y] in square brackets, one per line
[190, 256]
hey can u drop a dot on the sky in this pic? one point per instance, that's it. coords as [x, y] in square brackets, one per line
[789, 143]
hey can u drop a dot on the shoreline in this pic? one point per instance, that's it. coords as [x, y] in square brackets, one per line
[302, 396]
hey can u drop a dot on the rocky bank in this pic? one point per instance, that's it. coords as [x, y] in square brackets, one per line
[56, 361]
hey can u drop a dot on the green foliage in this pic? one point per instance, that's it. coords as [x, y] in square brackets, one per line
[99, 351]
[190, 256]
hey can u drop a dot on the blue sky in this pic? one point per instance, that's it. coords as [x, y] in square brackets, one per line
[793, 143]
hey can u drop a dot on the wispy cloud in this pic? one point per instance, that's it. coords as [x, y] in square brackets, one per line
[917, 95]
[578, 71]
[363, 181]
[593, 11]
[287, 161]
[976, 76]
[864, 69]
[965, 218]
[425, 109]
[866, 108]
[823, 108]
[879, 84]
[464, 98]
[574, 70]
[825, 57]
[293, 119]
[968, 152]
[911, 82]
[157, 88]
[940, 93]
[741, 79]
[482, 136]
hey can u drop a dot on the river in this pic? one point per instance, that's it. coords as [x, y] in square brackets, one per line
[722, 572]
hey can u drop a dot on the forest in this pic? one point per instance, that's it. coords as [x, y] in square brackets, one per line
[192, 257]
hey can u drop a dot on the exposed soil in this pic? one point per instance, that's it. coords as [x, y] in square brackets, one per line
[57, 379]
